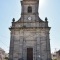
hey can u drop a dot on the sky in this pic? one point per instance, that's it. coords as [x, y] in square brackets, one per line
[10, 9]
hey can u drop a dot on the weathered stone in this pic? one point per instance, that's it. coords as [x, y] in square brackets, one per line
[30, 32]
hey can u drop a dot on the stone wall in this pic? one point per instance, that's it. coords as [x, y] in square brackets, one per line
[25, 38]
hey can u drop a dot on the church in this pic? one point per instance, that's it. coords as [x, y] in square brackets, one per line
[29, 38]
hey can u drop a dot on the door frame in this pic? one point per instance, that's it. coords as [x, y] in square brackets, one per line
[29, 53]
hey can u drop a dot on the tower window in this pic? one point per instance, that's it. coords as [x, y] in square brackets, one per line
[29, 9]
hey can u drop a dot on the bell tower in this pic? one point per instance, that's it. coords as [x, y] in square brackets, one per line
[30, 38]
[29, 11]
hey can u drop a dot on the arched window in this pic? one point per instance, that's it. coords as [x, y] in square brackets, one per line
[29, 9]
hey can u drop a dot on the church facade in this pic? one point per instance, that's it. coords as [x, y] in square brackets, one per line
[30, 35]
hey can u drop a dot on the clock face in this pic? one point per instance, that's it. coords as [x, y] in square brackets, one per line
[29, 18]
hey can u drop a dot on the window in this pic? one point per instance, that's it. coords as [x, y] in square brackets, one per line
[29, 9]
[59, 53]
[54, 55]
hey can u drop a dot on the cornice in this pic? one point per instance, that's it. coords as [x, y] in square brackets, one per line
[27, 2]
[30, 13]
[18, 28]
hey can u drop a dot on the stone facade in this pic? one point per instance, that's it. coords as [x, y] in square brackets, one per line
[3, 54]
[53, 55]
[56, 55]
[30, 32]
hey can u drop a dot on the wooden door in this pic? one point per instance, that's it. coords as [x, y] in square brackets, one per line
[29, 53]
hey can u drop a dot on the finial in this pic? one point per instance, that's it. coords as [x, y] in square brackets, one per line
[46, 19]
[13, 20]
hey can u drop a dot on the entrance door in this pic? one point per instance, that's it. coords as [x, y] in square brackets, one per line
[29, 53]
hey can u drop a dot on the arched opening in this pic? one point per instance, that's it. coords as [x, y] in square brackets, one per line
[29, 9]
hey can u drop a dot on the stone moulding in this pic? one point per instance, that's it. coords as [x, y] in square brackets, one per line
[18, 28]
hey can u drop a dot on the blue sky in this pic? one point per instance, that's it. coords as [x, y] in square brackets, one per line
[12, 9]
